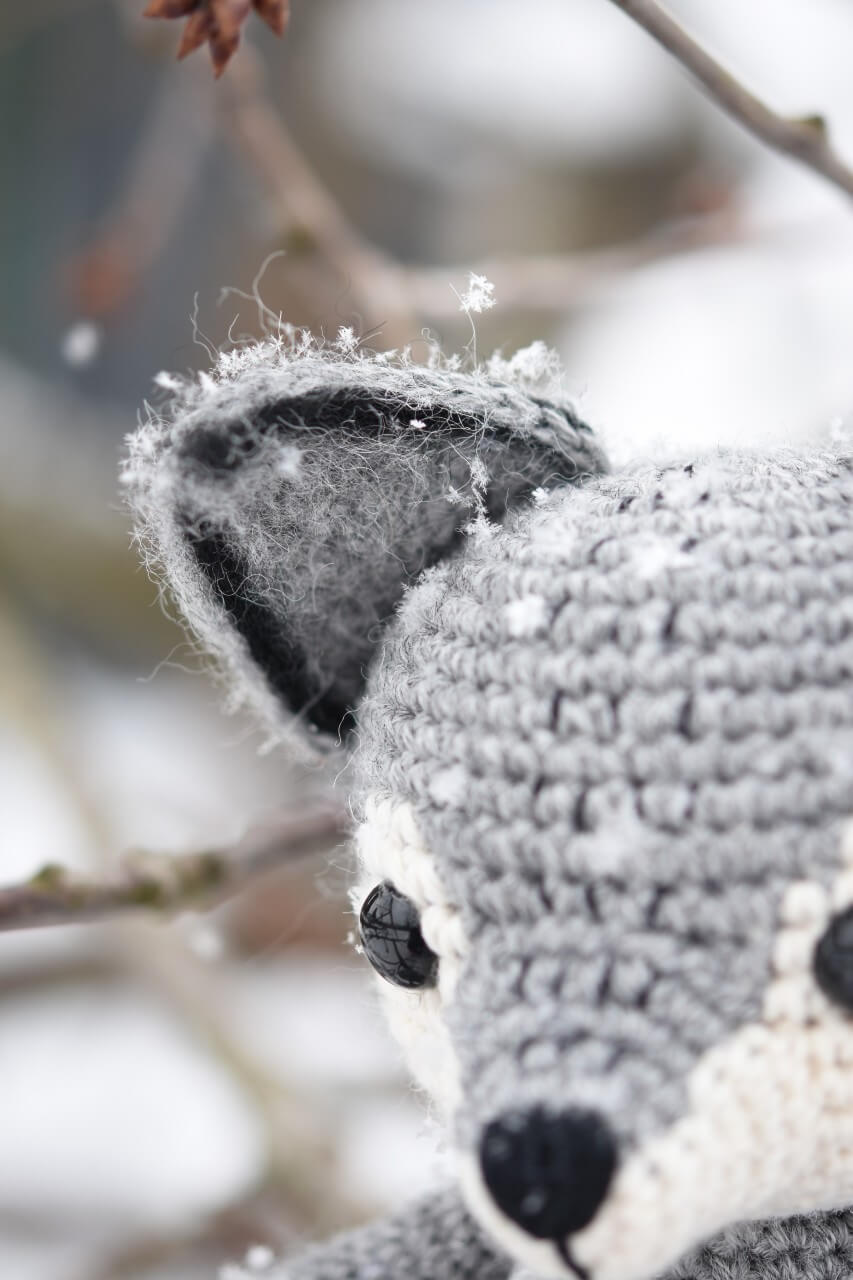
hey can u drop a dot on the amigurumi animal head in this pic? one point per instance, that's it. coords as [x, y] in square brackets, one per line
[602, 731]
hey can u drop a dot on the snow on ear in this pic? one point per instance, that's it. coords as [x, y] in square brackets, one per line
[290, 498]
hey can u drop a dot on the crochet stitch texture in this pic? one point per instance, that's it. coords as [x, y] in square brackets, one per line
[237, 498]
[436, 1237]
[619, 790]
[603, 743]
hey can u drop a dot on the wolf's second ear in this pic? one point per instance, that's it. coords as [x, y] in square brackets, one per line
[291, 506]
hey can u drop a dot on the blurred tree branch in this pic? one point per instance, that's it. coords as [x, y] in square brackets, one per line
[397, 299]
[400, 297]
[163, 168]
[387, 295]
[805, 140]
[158, 882]
[378, 283]
[299, 1164]
[555, 283]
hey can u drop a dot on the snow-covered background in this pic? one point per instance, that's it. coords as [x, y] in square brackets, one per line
[169, 1091]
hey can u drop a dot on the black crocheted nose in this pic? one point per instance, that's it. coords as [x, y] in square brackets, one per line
[548, 1172]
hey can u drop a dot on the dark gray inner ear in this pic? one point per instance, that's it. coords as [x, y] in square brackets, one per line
[310, 515]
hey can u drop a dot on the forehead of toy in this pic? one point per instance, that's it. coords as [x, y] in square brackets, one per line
[624, 724]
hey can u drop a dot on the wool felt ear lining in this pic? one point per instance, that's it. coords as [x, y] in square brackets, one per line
[314, 663]
[356, 411]
[269, 645]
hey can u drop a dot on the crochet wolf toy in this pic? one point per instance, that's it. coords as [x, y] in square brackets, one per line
[601, 727]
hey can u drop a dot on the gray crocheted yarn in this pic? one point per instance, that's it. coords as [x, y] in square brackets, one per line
[433, 1237]
[625, 726]
[436, 1238]
[603, 748]
[237, 497]
[819, 1245]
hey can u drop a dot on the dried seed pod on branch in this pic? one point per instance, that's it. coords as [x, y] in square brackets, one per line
[218, 23]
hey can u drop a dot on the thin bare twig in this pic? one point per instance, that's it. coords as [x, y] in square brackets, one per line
[162, 170]
[559, 282]
[300, 1158]
[57, 895]
[400, 297]
[376, 282]
[805, 140]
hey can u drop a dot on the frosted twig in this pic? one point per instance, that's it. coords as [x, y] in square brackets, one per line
[158, 882]
[805, 140]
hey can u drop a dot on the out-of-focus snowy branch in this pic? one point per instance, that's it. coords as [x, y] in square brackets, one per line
[162, 169]
[297, 1172]
[399, 297]
[560, 281]
[377, 283]
[158, 882]
[805, 139]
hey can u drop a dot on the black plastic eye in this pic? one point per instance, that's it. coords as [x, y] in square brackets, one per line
[392, 939]
[833, 960]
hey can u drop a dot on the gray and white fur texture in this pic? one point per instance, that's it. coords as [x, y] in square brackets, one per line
[601, 727]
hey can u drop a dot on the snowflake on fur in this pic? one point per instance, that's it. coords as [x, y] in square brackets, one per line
[218, 23]
[479, 296]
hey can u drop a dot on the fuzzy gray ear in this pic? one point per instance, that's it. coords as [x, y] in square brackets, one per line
[292, 498]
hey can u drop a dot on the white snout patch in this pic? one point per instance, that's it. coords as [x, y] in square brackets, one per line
[768, 1131]
[391, 848]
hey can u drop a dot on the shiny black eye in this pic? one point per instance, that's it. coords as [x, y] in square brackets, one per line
[833, 960]
[392, 939]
